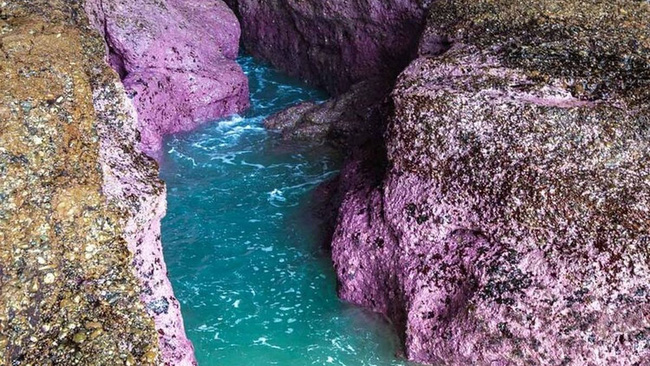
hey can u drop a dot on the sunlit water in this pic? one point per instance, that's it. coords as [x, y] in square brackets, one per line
[245, 261]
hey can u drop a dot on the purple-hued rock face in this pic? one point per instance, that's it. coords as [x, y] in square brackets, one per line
[176, 59]
[512, 224]
[334, 44]
[131, 183]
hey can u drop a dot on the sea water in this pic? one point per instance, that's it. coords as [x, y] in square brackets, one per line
[246, 261]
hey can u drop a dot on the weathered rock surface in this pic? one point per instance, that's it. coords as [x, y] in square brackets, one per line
[333, 44]
[511, 225]
[346, 120]
[176, 59]
[131, 183]
[76, 194]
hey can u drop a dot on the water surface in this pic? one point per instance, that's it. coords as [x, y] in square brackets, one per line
[244, 258]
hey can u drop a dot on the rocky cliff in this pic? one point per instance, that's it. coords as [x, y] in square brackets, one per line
[333, 44]
[131, 184]
[69, 295]
[82, 276]
[512, 224]
[176, 59]
[504, 218]
[501, 219]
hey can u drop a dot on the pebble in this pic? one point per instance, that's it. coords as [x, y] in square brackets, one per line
[49, 278]
[79, 337]
[93, 325]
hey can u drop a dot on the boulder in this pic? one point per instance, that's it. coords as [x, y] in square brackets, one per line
[511, 224]
[176, 59]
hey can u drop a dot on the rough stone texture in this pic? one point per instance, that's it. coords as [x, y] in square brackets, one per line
[511, 225]
[346, 120]
[75, 194]
[131, 183]
[176, 59]
[335, 43]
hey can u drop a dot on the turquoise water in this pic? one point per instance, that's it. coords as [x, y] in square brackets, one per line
[244, 257]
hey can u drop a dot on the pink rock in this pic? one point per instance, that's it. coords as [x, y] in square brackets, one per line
[333, 44]
[131, 183]
[176, 59]
[511, 225]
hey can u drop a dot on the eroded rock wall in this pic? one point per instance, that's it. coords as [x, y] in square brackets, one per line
[131, 183]
[511, 225]
[333, 44]
[176, 59]
[82, 278]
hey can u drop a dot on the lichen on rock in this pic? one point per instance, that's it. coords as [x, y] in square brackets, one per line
[68, 294]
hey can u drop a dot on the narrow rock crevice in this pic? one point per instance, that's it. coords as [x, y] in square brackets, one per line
[333, 44]
[115, 59]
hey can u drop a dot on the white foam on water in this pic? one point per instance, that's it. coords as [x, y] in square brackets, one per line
[258, 166]
[263, 341]
[241, 261]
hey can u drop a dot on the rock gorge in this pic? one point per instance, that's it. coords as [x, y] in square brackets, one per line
[494, 204]
[333, 44]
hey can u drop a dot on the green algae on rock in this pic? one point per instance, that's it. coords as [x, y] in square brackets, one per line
[69, 295]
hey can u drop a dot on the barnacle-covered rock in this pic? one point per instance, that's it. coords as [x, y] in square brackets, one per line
[512, 224]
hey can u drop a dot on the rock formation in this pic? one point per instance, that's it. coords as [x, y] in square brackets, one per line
[346, 120]
[512, 225]
[495, 204]
[508, 222]
[176, 59]
[82, 276]
[69, 295]
[333, 44]
[131, 184]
